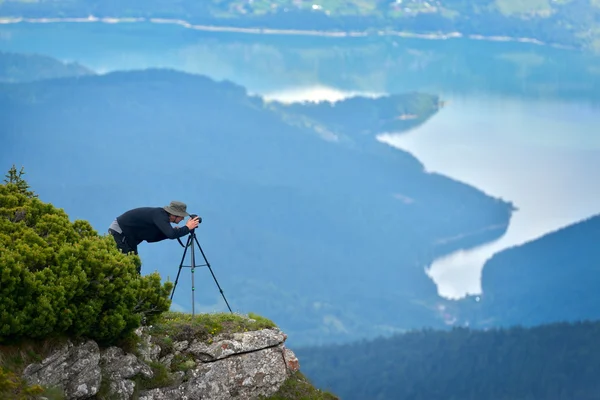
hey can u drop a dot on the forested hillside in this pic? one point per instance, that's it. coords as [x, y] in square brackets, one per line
[558, 362]
[553, 278]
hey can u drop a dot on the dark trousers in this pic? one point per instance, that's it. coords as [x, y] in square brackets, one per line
[122, 243]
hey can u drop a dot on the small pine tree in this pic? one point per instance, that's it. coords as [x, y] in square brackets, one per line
[15, 177]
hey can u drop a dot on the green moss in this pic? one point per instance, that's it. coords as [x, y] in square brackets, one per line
[129, 343]
[176, 326]
[183, 362]
[14, 387]
[104, 389]
[297, 386]
[52, 394]
[162, 377]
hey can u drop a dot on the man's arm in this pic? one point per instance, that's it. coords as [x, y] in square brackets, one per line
[162, 222]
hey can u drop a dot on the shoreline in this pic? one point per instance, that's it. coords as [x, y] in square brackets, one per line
[273, 31]
[444, 146]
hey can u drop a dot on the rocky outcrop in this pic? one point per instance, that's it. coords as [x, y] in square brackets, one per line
[239, 365]
[75, 368]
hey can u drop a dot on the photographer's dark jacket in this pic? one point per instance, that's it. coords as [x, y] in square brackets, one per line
[150, 224]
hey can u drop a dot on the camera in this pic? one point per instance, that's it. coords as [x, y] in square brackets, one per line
[192, 216]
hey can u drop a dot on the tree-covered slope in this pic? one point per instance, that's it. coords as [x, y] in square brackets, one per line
[558, 361]
[553, 278]
[327, 236]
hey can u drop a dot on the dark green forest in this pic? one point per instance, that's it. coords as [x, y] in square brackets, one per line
[550, 362]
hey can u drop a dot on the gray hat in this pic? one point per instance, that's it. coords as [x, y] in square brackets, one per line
[177, 208]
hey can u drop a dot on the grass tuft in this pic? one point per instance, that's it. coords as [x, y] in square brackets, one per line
[297, 386]
[176, 326]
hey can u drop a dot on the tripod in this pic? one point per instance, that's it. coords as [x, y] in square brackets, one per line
[190, 244]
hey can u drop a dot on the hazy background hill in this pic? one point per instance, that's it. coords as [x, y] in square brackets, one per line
[369, 65]
[554, 278]
[28, 67]
[567, 23]
[325, 236]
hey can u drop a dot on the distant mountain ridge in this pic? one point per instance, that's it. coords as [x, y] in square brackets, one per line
[312, 232]
[16, 67]
[570, 23]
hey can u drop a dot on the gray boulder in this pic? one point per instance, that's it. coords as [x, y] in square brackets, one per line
[234, 366]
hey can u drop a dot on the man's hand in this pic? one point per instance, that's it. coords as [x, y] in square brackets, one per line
[192, 223]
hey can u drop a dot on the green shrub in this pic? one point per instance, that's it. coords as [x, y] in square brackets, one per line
[14, 387]
[59, 277]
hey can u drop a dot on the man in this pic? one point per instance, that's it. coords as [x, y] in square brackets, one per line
[151, 224]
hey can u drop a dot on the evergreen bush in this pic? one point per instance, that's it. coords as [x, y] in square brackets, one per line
[60, 277]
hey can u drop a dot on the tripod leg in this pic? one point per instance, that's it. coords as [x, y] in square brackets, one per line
[193, 267]
[211, 272]
[180, 266]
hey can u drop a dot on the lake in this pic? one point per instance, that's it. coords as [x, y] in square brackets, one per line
[519, 121]
[544, 156]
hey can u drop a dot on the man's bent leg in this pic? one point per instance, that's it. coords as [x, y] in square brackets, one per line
[121, 242]
[123, 246]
